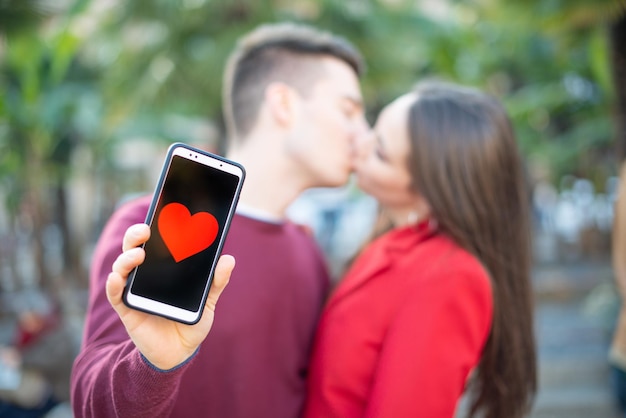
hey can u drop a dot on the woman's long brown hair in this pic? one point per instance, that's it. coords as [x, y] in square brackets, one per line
[466, 163]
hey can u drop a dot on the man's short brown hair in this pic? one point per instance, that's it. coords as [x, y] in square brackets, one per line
[280, 52]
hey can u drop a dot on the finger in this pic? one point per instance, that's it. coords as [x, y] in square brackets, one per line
[135, 236]
[223, 270]
[114, 289]
[128, 260]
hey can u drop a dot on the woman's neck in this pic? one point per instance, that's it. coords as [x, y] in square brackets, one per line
[402, 217]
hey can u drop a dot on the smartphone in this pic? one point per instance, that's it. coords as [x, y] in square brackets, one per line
[191, 210]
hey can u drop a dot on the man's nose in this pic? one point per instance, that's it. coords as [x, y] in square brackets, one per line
[364, 127]
[361, 143]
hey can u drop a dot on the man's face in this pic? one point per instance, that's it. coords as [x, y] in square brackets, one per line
[329, 122]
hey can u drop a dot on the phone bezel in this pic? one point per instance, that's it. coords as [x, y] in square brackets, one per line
[151, 306]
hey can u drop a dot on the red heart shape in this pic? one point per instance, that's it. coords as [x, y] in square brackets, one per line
[183, 234]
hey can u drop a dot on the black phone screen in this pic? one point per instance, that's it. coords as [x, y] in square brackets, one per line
[186, 230]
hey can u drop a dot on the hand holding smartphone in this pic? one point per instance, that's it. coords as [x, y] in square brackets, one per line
[189, 217]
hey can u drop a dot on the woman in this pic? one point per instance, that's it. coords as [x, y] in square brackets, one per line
[441, 303]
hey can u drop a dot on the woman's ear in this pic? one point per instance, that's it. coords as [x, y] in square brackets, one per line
[280, 99]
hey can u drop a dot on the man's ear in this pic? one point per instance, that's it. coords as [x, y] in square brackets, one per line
[280, 99]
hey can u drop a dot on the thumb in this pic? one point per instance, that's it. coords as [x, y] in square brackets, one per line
[223, 270]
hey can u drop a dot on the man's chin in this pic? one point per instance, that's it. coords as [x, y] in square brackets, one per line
[342, 181]
[336, 179]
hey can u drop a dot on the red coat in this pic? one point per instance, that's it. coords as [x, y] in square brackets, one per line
[402, 332]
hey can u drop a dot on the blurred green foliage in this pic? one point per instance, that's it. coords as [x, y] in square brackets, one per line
[82, 77]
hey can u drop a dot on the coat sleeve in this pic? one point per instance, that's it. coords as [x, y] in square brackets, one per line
[434, 341]
[110, 377]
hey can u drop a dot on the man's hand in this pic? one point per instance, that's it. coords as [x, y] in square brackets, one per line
[165, 343]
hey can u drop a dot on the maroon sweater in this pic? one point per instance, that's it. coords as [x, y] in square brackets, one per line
[253, 362]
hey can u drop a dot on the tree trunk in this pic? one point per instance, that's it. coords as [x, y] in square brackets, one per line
[35, 209]
[617, 34]
[14, 280]
[38, 220]
[72, 269]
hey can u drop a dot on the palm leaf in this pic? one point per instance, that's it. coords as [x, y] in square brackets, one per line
[19, 15]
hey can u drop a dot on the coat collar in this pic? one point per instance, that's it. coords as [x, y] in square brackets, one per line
[403, 239]
[382, 253]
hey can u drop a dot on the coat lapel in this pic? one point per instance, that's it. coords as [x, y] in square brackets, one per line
[380, 256]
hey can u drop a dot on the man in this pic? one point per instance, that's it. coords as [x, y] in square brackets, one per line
[293, 108]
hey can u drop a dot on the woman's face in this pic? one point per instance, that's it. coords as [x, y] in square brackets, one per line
[381, 163]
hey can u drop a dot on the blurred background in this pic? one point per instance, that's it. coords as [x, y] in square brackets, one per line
[93, 91]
